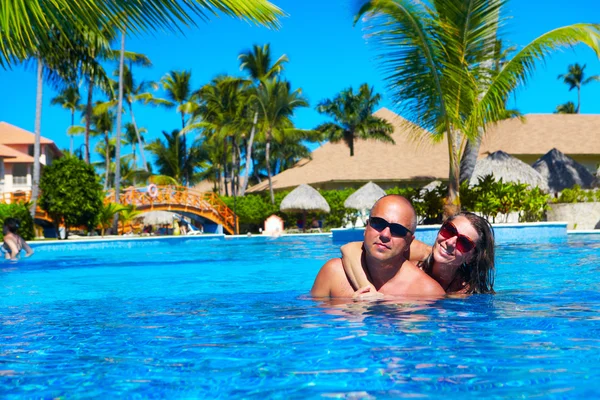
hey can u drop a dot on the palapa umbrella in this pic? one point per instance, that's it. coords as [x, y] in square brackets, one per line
[158, 217]
[303, 199]
[365, 197]
[510, 169]
[561, 171]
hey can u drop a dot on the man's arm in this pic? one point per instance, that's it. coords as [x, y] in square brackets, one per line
[322, 285]
[332, 281]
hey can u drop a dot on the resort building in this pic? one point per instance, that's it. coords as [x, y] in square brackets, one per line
[415, 160]
[16, 152]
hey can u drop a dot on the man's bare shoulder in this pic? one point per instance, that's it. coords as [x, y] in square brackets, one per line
[332, 281]
[413, 281]
[427, 285]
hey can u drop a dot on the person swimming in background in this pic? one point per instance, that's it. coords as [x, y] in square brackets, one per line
[461, 260]
[13, 242]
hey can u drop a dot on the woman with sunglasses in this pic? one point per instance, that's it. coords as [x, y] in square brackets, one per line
[461, 259]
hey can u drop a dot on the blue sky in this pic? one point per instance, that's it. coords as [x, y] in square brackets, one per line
[327, 54]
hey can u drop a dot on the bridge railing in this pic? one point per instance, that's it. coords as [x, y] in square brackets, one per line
[15, 197]
[207, 202]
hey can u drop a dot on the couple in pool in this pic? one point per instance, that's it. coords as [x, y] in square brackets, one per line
[390, 262]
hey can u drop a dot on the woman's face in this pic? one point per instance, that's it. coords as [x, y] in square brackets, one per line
[445, 249]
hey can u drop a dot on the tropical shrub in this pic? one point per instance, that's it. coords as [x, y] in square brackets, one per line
[577, 195]
[71, 193]
[339, 214]
[19, 211]
[107, 215]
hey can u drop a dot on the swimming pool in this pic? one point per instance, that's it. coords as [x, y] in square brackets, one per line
[214, 318]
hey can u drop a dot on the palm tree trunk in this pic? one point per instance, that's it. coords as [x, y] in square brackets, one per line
[139, 139]
[452, 205]
[186, 174]
[267, 157]
[106, 160]
[578, 99]
[249, 155]
[38, 133]
[71, 136]
[88, 116]
[134, 161]
[119, 116]
[225, 168]
[233, 144]
[469, 158]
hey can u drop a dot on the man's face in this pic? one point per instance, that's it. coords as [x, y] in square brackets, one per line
[381, 244]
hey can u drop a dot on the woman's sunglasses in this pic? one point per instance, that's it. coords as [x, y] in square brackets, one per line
[396, 230]
[464, 244]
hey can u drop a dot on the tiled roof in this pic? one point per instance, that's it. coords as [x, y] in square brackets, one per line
[10, 134]
[6, 152]
[15, 155]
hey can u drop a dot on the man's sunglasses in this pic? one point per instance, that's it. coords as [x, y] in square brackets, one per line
[396, 230]
[464, 244]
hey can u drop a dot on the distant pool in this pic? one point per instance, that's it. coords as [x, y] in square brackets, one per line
[198, 318]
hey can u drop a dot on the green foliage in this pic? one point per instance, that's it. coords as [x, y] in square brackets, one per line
[19, 211]
[127, 214]
[107, 214]
[488, 198]
[339, 214]
[71, 192]
[577, 195]
[253, 209]
[428, 204]
[533, 206]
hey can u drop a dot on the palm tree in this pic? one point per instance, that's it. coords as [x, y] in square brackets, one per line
[471, 152]
[134, 136]
[575, 79]
[134, 92]
[277, 103]
[353, 115]
[437, 63]
[110, 154]
[257, 64]
[222, 113]
[25, 29]
[104, 122]
[177, 85]
[566, 108]
[172, 160]
[69, 98]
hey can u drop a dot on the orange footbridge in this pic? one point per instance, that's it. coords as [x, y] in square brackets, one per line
[207, 205]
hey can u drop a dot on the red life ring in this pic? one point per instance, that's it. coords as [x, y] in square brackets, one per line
[152, 190]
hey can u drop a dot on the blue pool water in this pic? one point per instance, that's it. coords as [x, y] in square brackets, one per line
[196, 318]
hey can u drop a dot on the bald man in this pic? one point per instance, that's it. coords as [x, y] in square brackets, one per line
[387, 240]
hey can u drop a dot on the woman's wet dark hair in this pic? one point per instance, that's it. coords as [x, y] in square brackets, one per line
[11, 224]
[479, 273]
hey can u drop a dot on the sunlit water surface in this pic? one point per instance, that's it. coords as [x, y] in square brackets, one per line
[230, 319]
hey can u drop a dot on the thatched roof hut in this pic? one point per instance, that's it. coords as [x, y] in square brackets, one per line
[303, 199]
[365, 197]
[562, 172]
[158, 217]
[510, 169]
